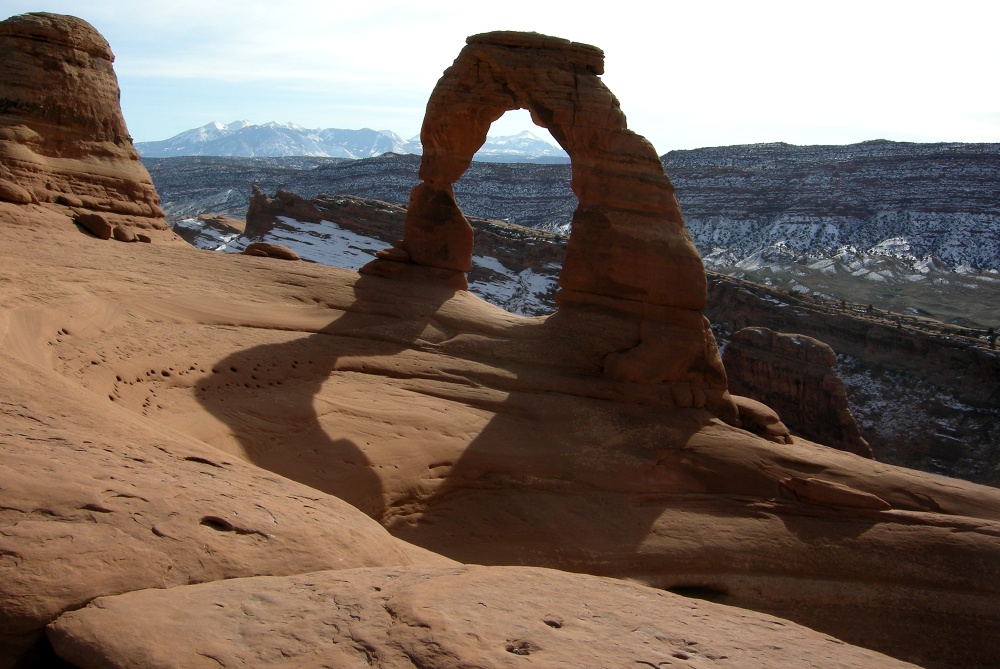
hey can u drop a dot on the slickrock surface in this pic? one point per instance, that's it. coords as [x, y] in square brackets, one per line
[141, 408]
[137, 399]
[448, 618]
[629, 252]
[794, 375]
[64, 146]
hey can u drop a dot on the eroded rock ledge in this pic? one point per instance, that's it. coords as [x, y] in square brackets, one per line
[794, 374]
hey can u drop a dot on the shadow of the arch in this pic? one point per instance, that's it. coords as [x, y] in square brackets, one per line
[270, 397]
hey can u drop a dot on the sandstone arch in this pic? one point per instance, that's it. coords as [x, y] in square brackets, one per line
[629, 251]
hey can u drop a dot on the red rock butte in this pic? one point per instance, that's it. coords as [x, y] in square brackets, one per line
[629, 253]
[64, 146]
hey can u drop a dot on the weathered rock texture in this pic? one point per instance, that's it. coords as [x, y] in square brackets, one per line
[140, 406]
[447, 618]
[629, 252]
[64, 145]
[794, 375]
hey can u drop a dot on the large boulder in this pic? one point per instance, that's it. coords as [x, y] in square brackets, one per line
[794, 374]
[64, 145]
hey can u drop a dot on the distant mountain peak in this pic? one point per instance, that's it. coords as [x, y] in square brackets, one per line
[284, 138]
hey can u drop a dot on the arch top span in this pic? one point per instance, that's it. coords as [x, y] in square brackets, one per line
[628, 252]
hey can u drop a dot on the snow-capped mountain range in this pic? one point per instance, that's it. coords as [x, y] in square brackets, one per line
[273, 139]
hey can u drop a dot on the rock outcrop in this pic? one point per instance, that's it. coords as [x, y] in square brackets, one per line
[140, 408]
[64, 146]
[924, 394]
[794, 375]
[447, 618]
[501, 251]
[268, 250]
[629, 253]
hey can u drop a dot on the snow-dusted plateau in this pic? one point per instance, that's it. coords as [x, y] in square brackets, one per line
[908, 228]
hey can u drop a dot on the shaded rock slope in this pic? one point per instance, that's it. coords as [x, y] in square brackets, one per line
[193, 426]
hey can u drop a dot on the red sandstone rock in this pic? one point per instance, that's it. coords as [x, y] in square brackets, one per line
[11, 192]
[141, 407]
[97, 224]
[794, 375]
[818, 491]
[63, 141]
[270, 250]
[761, 419]
[629, 252]
[123, 234]
[446, 618]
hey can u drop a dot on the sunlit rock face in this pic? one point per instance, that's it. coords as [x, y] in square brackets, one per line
[629, 253]
[64, 145]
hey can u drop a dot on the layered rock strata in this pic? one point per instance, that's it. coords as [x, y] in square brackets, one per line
[64, 146]
[629, 253]
[514, 246]
[794, 375]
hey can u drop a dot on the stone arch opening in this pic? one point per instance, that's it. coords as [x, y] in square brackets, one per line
[519, 246]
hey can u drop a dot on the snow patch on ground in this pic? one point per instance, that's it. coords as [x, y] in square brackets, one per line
[525, 292]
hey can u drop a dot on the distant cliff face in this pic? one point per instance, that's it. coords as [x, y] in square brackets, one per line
[532, 195]
[880, 197]
[908, 227]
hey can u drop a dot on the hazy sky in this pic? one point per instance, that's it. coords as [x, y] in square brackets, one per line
[687, 74]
